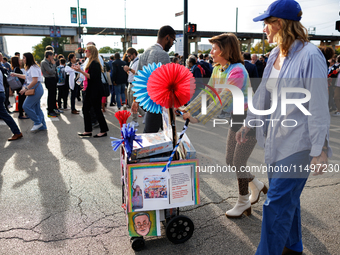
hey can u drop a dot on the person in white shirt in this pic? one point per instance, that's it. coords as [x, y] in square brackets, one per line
[32, 103]
[132, 71]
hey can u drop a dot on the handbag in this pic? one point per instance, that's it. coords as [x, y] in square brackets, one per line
[14, 82]
[30, 92]
[105, 90]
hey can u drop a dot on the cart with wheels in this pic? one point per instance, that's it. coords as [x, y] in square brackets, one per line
[151, 197]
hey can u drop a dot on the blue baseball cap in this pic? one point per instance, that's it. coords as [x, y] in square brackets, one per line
[284, 9]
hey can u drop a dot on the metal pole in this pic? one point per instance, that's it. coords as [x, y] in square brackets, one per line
[55, 36]
[124, 46]
[185, 35]
[79, 29]
[236, 19]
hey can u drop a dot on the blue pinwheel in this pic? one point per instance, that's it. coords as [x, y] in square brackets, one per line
[141, 93]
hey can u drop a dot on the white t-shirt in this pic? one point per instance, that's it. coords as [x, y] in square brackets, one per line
[272, 79]
[134, 66]
[34, 71]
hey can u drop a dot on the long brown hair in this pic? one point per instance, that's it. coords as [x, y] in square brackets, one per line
[15, 62]
[230, 47]
[93, 57]
[290, 31]
[29, 60]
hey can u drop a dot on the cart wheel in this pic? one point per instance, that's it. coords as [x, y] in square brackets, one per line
[179, 229]
[137, 243]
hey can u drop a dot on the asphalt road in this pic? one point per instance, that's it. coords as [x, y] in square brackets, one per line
[62, 195]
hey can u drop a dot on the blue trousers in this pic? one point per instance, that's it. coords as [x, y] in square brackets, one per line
[113, 94]
[6, 117]
[119, 91]
[281, 220]
[32, 106]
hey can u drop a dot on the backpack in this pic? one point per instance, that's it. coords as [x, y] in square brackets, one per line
[205, 66]
[61, 74]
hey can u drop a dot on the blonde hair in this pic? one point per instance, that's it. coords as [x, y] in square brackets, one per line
[230, 47]
[93, 57]
[290, 31]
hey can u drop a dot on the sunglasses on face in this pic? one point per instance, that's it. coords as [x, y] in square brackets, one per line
[87, 51]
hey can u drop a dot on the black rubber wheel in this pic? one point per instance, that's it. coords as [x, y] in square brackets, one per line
[179, 229]
[137, 243]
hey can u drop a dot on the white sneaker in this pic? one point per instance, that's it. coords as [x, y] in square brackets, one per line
[124, 107]
[36, 127]
[336, 114]
[135, 124]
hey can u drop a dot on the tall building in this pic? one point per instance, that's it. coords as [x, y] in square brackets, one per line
[3, 46]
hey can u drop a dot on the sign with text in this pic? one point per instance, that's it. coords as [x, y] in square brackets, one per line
[83, 16]
[179, 46]
[70, 47]
[73, 15]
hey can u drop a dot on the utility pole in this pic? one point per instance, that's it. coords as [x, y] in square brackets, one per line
[185, 35]
[124, 45]
[55, 36]
[236, 19]
[79, 29]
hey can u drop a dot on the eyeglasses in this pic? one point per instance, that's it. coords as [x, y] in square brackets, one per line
[129, 56]
[87, 51]
[142, 225]
[173, 39]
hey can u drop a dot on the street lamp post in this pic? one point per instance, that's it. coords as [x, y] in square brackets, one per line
[185, 35]
[79, 30]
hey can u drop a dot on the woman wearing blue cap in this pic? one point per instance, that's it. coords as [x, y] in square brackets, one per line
[296, 66]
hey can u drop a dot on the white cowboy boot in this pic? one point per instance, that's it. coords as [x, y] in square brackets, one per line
[256, 187]
[242, 206]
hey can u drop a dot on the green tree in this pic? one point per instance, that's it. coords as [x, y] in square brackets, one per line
[117, 50]
[206, 51]
[258, 47]
[172, 53]
[140, 51]
[106, 49]
[39, 49]
[244, 48]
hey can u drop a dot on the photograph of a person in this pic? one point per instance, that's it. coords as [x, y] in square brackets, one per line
[143, 223]
[155, 186]
[137, 196]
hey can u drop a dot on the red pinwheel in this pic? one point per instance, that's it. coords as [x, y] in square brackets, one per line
[171, 85]
[122, 117]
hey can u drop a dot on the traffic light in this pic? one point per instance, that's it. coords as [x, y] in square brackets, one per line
[191, 28]
[337, 25]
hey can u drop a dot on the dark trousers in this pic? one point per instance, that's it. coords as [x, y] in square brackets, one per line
[7, 103]
[92, 113]
[51, 85]
[20, 102]
[6, 117]
[95, 103]
[62, 95]
[74, 93]
[113, 94]
[153, 122]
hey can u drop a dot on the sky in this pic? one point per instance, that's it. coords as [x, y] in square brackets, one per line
[216, 15]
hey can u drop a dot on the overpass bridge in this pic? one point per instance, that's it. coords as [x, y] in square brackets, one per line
[75, 32]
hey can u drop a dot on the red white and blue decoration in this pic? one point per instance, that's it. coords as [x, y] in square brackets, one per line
[128, 136]
[140, 89]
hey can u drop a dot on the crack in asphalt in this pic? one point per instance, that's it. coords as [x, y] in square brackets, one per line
[321, 186]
